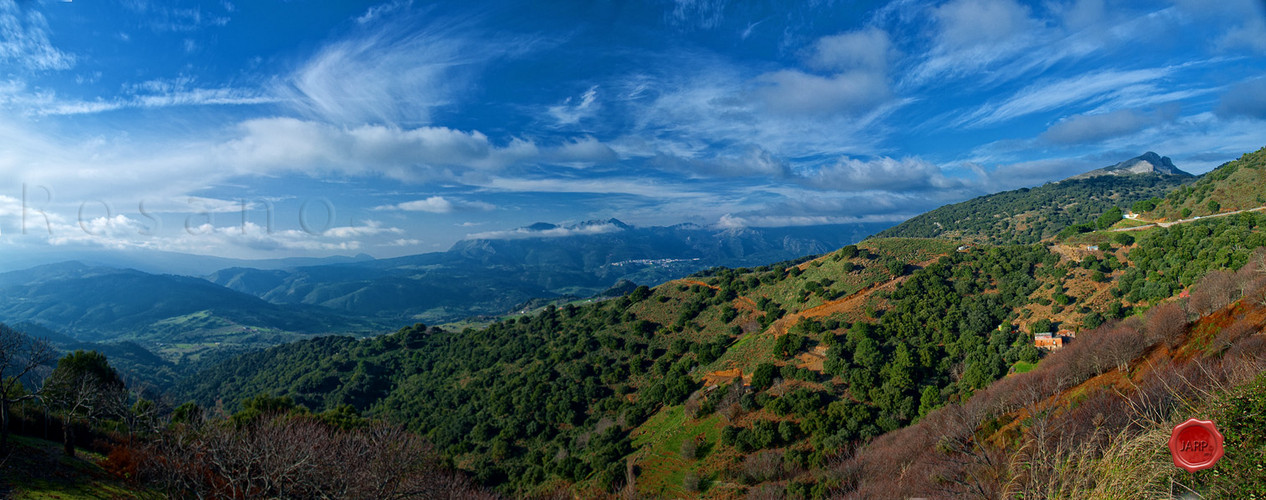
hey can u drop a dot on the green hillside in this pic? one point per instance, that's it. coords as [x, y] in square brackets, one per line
[1236, 185]
[1026, 215]
[566, 398]
[561, 397]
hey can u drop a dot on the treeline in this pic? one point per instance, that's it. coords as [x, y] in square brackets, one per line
[1025, 216]
[1167, 260]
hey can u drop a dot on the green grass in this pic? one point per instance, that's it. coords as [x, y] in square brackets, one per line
[660, 439]
[750, 350]
[38, 470]
[1023, 367]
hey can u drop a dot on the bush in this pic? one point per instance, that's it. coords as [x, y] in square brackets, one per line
[764, 375]
[690, 482]
[689, 449]
[763, 466]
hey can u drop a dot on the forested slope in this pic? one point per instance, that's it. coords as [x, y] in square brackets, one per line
[1236, 185]
[553, 399]
[1028, 215]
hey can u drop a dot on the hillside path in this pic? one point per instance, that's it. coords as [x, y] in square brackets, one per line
[1182, 221]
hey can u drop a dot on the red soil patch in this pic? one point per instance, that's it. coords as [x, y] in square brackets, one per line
[721, 377]
[813, 359]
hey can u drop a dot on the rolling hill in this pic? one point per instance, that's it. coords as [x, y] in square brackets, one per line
[158, 327]
[1026, 215]
[1235, 185]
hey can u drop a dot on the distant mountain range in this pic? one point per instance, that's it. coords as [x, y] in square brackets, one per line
[160, 262]
[185, 319]
[95, 303]
[484, 276]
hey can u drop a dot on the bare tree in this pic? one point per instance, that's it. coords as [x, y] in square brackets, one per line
[136, 411]
[1165, 323]
[1214, 291]
[287, 456]
[20, 357]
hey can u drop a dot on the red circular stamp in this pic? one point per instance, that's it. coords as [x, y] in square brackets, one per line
[1195, 445]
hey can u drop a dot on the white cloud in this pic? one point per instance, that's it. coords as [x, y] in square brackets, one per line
[24, 39]
[150, 94]
[868, 48]
[437, 205]
[751, 161]
[706, 14]
[646, 187]
[370, 228]
[1247, 98]
[579, 152]
[161, 16]
[712, 102]
[905, 174]
[555, 232]
[287, 144]
[729, 221]
[1244, 22]
[972, 35]
[1081, 14]
[1090, 128]
[396, 71]
[796, 92]
[967, 23]
[377, 12]
[569, 113]
[246, 240]
[1089, 88]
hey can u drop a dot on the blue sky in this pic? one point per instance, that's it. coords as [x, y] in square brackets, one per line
[269, 129]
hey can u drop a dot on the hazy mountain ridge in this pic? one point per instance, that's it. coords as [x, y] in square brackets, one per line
[490, 275]
[100, 303]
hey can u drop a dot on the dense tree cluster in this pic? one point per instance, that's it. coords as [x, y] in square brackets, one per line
[1171, 259]
[522, 403]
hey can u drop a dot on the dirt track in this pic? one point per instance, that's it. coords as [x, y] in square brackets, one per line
[1183, 221]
